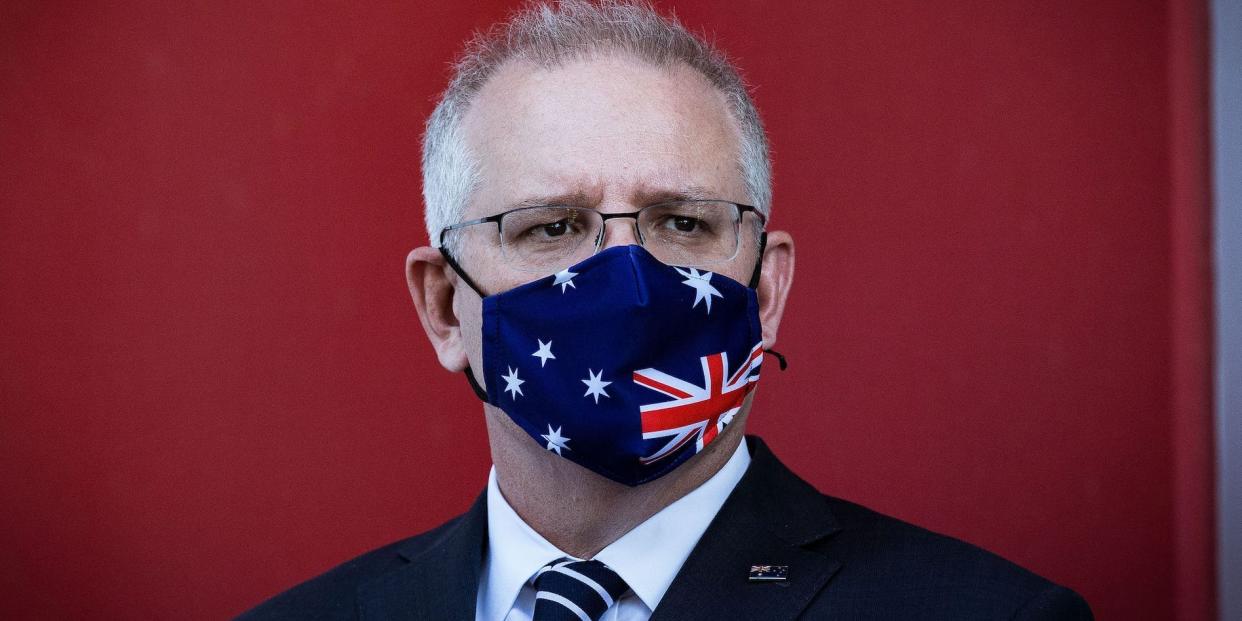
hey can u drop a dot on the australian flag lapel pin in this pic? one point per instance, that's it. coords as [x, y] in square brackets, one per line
[769, 573]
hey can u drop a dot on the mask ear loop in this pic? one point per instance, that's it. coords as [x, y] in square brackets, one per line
[460, 272]
[754, 276]
[754, 284]
[474, 383]
[482, 394]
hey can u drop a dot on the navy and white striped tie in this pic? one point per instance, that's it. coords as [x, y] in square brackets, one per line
[570, 590]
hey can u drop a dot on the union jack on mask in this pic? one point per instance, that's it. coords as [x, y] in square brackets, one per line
[622, 364]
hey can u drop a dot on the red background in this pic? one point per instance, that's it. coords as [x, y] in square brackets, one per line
[213, 384]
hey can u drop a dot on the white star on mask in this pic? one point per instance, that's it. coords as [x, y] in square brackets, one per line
[545, 353]
[565, 278]
[512, 383]
[556, 441]
[703, 290]
[595, 385]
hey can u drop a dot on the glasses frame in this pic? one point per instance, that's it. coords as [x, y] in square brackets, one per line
[742, 210]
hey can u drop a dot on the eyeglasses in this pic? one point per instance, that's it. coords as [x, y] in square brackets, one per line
[547, 239]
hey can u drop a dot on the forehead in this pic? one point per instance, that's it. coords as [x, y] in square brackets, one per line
[600, 128]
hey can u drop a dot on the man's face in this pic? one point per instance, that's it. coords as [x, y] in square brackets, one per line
[612, 134]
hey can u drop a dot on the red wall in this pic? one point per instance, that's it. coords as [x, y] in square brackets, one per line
[213, 385]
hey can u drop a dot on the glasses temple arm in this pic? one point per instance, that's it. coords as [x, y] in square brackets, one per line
[460, 272]
[754, 276]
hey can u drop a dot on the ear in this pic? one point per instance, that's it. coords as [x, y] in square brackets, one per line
[432, 287]
[775, 278]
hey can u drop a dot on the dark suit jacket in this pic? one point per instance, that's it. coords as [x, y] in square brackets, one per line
[845, 562]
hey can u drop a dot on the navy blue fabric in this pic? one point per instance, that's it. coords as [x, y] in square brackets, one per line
[845, 562]
[611, 318]
[573, 589]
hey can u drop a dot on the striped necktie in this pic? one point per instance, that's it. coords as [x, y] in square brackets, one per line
[570, 590]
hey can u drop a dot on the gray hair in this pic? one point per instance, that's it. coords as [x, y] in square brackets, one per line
[548, 35]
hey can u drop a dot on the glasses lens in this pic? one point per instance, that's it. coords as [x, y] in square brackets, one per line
[546, 239]
[690, 233]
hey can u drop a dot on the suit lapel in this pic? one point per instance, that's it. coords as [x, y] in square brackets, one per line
[767, 520]
[439, 581]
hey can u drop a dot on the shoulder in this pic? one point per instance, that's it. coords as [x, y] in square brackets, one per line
[334, 594]
[909, 571]
[886, 568]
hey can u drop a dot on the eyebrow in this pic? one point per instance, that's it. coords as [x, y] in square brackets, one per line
[684, 193]
[577, 198]
[581, 198]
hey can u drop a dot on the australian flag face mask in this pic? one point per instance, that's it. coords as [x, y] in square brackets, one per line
[622, 364]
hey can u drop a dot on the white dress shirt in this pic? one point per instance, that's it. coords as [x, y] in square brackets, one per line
[647, 558]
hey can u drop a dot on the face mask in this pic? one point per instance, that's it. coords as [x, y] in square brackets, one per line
[622, 364]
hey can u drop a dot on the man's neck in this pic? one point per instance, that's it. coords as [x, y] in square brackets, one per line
[579, 511]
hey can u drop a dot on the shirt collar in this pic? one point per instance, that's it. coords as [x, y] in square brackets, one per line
[514, 553]
[647, 558]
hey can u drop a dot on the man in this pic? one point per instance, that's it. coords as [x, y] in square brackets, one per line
[597, 187]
